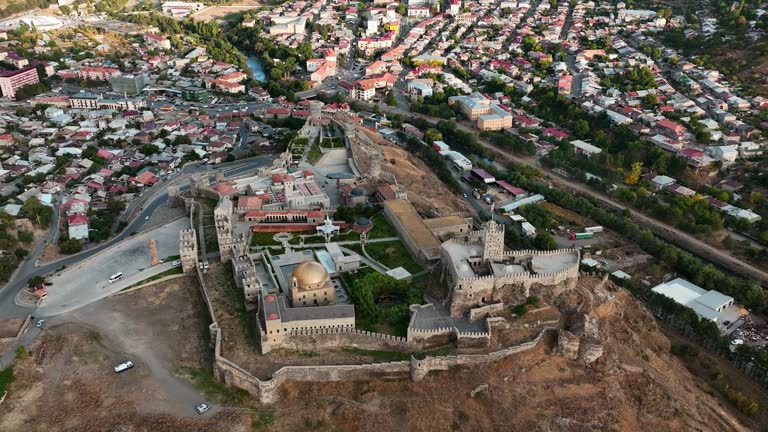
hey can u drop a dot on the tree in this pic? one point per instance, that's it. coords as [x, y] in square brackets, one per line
[391, 99]
[115, 206]
[634, 176]
[650, 100]
[431, 135]
[70, 246]
[65, 10]
[545, 241]
[150, 149]
[581, 128]
[37, 212]
[36, 281]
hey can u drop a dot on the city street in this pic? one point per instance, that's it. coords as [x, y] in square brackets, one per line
[142, 207]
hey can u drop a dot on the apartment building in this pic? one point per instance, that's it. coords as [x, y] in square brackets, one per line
[10, 81]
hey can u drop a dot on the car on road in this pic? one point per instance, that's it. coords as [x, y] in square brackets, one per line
[40, 323]
[176, 263]
[124, 366]
[202, 408]
[146, 217]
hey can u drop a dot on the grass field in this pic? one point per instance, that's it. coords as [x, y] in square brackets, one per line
[393, 254]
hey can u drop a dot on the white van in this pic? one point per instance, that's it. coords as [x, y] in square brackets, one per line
[123, 366]
[115, 277]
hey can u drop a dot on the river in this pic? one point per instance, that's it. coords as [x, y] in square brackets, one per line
[254, 64]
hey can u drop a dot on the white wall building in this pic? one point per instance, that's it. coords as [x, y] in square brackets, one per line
[709, 305]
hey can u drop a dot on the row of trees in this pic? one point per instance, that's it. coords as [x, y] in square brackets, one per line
[675, 259]
[684, 319]
[432, 159]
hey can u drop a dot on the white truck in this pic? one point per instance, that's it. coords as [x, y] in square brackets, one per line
[594, 229]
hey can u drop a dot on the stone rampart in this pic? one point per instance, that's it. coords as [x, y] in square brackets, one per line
[420, 368]
[483, 311]
[318, 339]
[268, 391]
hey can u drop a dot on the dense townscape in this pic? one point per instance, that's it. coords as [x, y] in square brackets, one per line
[544, 213]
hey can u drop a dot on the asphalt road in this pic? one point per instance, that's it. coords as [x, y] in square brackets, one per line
[152, 200]
[247, 107]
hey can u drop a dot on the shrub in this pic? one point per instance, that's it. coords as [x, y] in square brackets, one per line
[70, 246]
[21, 353]
[685, 350]
[742, 402]
[518, 310]
[6, 378]
[26, 237]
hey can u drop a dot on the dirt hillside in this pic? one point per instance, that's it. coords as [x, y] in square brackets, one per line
[67, 385]
[636, 386]
[425, 191]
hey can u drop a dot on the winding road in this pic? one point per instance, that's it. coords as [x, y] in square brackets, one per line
[148, 203]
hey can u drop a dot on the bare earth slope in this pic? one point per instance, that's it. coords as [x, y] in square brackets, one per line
[636, 386]
[67, 384]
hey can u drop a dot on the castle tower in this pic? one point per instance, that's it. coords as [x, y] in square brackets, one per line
[198, 184]
[188, 250]
[375, 170]
[173, 196]
[230, 245]
[493, 239]
[316, 109]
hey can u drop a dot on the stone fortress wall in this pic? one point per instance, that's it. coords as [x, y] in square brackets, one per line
[514, 288]
[267, 391]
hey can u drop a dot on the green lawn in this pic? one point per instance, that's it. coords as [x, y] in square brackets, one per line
[332, 143]
[393, 254]
[381, 228]
[314, 154]
[264, 239]
[347, 236]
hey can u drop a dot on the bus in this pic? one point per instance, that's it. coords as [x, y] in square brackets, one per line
[115, 277]
[166, 108]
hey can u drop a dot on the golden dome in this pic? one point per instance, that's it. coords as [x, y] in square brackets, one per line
[310, 273]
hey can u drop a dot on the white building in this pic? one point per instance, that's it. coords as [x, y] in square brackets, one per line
[709, 305]
[585, 148]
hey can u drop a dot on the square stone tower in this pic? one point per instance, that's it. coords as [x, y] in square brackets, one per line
[230, 244]
[188, 250]
[493, 241]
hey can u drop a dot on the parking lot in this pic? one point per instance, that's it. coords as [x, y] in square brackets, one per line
[69, 382]
[88, 281]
